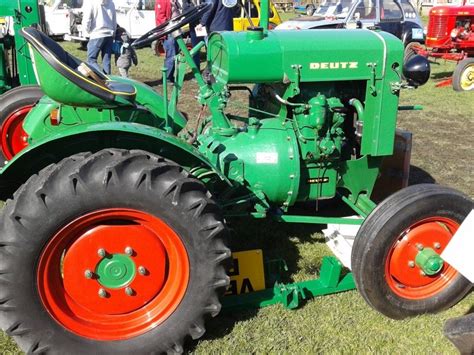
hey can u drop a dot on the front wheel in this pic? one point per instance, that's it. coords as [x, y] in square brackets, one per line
[14, 107]
[463, 76]
[114, 252]
[396, 255]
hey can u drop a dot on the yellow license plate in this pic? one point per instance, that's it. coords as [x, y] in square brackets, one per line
[247, 272]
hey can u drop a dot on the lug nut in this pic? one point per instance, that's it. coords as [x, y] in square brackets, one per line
[422, 273]
[411, 264]
[129, 251]
[129, 291]
[419, 246]
[102, 293]
[101, 252]
[437, 245]
[88, 274]
[142, 270]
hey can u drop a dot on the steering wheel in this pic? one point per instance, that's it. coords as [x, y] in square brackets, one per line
[171, 25]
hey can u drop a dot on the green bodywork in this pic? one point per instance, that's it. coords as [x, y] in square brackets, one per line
[15, 62]
[321, 117]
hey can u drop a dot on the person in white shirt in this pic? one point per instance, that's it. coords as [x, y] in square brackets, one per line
[100, 22]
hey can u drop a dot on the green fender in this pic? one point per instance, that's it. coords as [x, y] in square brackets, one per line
[92, 137]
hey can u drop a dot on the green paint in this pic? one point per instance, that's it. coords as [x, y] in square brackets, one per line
[116, 271]
[429, 261]
[24, 13]
[297, 144]
[293, 295]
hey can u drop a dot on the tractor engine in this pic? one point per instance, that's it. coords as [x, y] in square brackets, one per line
[323, 106]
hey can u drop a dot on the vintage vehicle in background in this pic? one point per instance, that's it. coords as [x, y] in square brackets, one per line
[450, 36]
[397, 17]
[59, 16]
[249, 11]
[135, 16]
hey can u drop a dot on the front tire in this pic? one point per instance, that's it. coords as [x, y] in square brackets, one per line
[387, 271]
[114, 252]
[463, 76]
[15, 105]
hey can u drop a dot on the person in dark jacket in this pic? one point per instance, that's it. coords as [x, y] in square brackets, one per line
[218, 18]
[195, 39]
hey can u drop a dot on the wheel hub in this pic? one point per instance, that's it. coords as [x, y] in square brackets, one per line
[116, 271]
[116, 286]
[429, 261]
[414, 267]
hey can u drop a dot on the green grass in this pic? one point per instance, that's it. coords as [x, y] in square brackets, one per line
[442, 152]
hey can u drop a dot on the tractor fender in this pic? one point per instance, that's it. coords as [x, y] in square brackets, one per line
[93, 137]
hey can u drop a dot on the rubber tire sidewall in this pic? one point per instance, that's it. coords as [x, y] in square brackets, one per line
[383, 227]
[15, 99]
[64, 206]
[458, 70]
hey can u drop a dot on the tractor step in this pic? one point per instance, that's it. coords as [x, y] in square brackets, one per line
[331, 280]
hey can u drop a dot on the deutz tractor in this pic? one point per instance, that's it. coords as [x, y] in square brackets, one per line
[115, 238]
[17, 80]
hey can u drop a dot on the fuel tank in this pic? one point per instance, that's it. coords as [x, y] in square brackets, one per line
[302, 55]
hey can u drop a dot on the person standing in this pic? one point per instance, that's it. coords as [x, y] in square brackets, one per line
[218, 18]
[100, 22]
[164, 11]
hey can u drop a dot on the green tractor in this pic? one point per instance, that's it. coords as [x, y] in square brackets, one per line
[113, 239]
[18, 87]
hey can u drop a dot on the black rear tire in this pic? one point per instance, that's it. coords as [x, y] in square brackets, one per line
[463, 76]
[385, 228]
[13, 101]
[87, 182]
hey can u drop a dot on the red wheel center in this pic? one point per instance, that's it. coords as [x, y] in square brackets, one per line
[113, 274]
[13, 137]
[148, 253]
[403, 276]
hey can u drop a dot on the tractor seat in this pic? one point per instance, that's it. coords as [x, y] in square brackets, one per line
[74, 70]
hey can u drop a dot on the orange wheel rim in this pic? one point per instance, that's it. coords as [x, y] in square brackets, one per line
[113, 274]
[13, 137]
[402, 274]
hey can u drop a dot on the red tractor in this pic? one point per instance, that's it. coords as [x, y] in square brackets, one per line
[450, 36]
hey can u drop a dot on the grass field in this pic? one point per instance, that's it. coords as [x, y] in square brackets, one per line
[442, 153]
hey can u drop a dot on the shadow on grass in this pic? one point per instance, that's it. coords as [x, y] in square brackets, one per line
[442, 75]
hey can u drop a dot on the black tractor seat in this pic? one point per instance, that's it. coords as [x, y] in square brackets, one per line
[81, 74]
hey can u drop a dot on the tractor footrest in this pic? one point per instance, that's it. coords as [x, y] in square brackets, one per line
[293, 295]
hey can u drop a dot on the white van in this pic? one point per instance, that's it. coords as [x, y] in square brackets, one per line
[58, 16]
[136, 16]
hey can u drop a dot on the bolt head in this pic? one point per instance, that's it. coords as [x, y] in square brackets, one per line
[141, 270]
[419, 246]
[437, 245]
[102, 293]
[101, 252]
[129, 291]
[422, 273]
[88, 274]
[411, 264]
[129, 251]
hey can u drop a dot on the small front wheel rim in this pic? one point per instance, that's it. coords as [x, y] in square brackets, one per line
[13, 137]
[467, 78]
[402, 273]
[113, 274]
